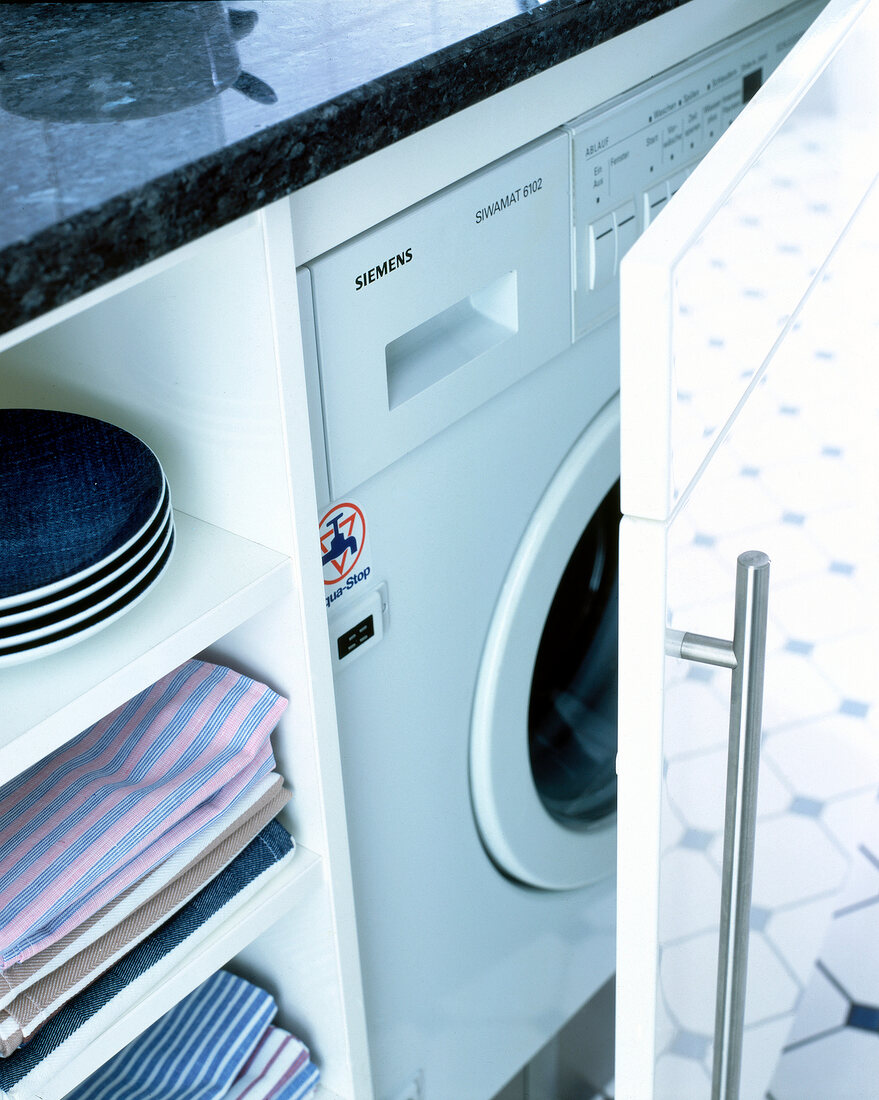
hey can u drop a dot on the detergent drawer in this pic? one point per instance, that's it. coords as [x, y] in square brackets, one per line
[424, 318]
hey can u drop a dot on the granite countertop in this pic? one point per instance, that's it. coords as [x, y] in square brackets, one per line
[127, 130]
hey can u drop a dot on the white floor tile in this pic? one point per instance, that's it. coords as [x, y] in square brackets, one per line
[771, 990]
[792, 556]
[831, 756]
[666, 1028]
[795, 861]
[810, 485]
[773, 792]
[821, 1009]
[842, 1066]
[697, 789]
[854, 820]
[826, 605]
[697, 577]
[850, 665]
[688, 977]
[761, 1050]
[696, 715]
[849, 954]
[792, 692]
[736, 504]
[671, 829]
[846, 535]
[785, 931]
[689, 894]
[677, 1078]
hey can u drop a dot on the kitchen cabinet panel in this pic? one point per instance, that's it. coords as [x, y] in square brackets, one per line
[201, 356]
[759, 291]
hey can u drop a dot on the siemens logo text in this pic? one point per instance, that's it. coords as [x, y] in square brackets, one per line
[381, 269]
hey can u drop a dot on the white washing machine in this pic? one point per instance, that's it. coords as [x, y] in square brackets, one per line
[466, 429]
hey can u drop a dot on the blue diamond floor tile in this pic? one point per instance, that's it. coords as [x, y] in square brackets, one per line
[854, 708]
[863, 1017]
[806, 807]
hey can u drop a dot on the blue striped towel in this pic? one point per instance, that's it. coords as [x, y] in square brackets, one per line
[194, 1052]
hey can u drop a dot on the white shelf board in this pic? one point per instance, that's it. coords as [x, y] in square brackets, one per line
[207, 954]
[215, 581]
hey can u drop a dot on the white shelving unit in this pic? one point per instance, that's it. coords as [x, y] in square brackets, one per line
[207, 953]
[215, 581]
[199, 355]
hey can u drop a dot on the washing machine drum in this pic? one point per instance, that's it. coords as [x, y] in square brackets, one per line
[544, 736]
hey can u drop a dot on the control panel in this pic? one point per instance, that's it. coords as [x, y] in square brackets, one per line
[630, 156]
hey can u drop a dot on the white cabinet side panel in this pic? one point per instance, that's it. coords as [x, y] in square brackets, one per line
[639, 769]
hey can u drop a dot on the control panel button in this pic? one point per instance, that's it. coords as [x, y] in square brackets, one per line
[692, 132]
[602, 251]
[711, 122]
[627, 230]
[654, 200]
[730, 107]
[673, 143]
[674, 183]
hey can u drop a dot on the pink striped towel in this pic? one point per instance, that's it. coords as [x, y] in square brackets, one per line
[84, 823]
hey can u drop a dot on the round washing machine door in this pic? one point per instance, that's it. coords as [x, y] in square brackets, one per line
[544, 733]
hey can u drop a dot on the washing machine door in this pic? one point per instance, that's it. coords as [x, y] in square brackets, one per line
[544, 733]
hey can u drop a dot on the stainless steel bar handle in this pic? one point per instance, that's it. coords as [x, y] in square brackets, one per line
[745, 729]
[746, 656]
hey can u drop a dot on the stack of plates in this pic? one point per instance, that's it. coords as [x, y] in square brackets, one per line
[86, 528]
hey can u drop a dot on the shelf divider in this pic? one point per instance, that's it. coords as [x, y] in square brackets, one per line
[206, 955]
[215, 581]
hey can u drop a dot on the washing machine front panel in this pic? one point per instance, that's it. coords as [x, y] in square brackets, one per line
[425, 317]
[466, 972]
[540, 844]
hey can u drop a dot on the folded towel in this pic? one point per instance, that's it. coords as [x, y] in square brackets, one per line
[15, 979]
[83, 1020]
[90, 819]
[30, 1010]
[279, 1069]
[194, 1052]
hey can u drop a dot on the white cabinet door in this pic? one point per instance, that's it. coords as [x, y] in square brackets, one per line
[750, 422]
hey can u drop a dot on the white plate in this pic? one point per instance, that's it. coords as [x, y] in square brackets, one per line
[72, 635]
[100, 581]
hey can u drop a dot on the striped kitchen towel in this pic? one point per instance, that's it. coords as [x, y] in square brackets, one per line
[30, 1010]
[194, 1052]
[17, 978]
[279, 1069]
[84, 1020]
[86, 822]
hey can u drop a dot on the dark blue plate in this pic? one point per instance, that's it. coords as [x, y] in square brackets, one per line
[74, 492]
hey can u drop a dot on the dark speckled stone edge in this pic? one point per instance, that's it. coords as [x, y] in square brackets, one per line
[83, 252]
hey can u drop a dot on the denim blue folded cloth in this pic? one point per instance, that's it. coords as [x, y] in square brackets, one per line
[193, 1052]
[73, 490]
[269, 847]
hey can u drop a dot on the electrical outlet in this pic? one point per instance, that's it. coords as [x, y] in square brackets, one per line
[414, 1090]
